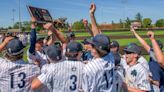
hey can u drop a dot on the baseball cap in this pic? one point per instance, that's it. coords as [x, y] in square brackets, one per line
[54, 53]
[133, 48]
[86, 41]
[114, 44]
[39, 39]
[74, 47]
[71, 34]
[14, 47]
[9, 33]
[100, 41]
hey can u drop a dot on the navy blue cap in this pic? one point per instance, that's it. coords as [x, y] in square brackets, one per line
[134, 48]
[100, 41]
[114, 44]
[54, 53]
[9, 33]
[14, 47]
[74, 47]
[86, 41]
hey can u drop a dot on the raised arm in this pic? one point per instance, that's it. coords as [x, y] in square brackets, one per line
[158, 53]
[50, 39]
[58, 34]
[4, 43]
[32, 36]
[85, 22]
[95, 29]
[140, 39]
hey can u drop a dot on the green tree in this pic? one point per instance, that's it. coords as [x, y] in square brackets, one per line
[147, 22]
[113, 22]
[78, 25]
[128, 22]
[160, 23]
[121, 23]
[138, 17]
[9, 27]
[26, 26]
[16, 25]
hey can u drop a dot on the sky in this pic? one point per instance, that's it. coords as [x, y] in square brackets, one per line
[106, 12]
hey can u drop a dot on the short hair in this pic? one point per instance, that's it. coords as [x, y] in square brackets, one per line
[14, 57]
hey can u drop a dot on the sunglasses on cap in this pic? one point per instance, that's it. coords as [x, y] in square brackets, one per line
[129, 52]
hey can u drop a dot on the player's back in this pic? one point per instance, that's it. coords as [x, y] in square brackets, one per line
[16, 76]
[66, 76]
[98, 76]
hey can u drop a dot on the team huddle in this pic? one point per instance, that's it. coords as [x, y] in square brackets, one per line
[94, 65]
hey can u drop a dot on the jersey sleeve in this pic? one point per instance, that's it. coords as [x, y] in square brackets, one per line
[30, 57]
[85, 82]
[45, 78]
[143, 82]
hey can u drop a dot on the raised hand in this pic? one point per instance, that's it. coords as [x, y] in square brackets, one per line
[85, 22]
[7, 39]
[150, 34]
[132, 28]
[49, 26]
[92, 8]
[33, 20]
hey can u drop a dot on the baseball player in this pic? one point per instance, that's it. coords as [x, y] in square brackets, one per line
[136, 75]
[157, 49]
[98, 75]
[63, 76]
[16, 75]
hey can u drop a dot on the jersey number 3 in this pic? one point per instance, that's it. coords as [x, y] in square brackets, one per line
[73, 86]
[21, 75]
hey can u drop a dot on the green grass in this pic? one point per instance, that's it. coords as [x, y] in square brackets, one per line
[161, 32]
[25, 52]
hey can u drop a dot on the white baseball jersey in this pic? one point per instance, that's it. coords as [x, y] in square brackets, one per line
[39, 56]
[141, 60]
[65, 76]
[98, 76]
[16, 76]
[119, 78]
[137, 77]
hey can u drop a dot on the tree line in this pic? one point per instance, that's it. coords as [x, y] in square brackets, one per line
[78, 25]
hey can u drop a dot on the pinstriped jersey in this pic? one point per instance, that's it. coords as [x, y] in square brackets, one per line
[64, 76]
[119, 78]
[39, 56]
[137, 77]
[16, 76]
[98, 76]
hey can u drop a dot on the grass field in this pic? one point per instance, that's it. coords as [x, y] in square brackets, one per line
[157, 32]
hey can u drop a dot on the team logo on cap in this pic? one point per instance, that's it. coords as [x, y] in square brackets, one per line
[9, 50]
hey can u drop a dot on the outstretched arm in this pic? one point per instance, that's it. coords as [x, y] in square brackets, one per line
[158, 53]
[140, 39]
[95, 29]
[4, 43]
[58, 34]
[32, 36]
[85, 22]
